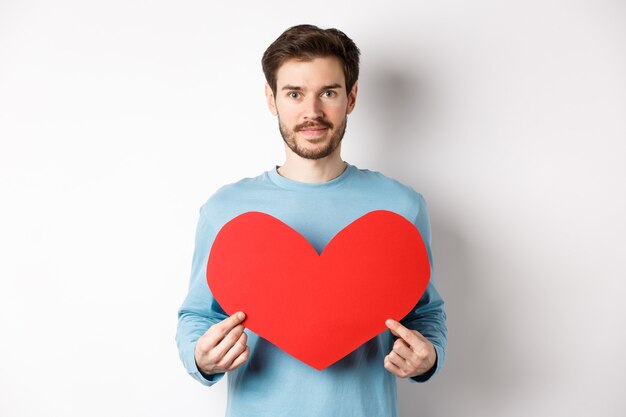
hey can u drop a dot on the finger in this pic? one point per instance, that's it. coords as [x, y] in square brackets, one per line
[403, 350]
[396, 360]
[233, 353]
[391, 367]
[399, 330]
[241, 359]
[218, 331]
[227, 343]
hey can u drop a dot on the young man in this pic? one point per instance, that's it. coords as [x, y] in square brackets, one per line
[311, 87]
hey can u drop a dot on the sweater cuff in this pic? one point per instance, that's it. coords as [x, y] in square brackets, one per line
[192, 368]
[206, 379]
[436, 367]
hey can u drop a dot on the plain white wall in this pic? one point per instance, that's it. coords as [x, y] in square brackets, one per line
[118, 119]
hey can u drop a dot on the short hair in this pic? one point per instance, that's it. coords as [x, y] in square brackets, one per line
[306, 42]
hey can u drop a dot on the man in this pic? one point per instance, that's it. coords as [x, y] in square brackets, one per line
[311, 87]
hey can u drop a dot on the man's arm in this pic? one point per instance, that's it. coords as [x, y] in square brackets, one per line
[208, 343]
[427, 318]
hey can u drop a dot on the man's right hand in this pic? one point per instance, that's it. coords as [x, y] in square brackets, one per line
[223, 347]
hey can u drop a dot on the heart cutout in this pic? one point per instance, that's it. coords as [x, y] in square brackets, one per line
[318, 308]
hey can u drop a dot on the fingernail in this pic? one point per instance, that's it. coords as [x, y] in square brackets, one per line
[388, 323]
[241, 315]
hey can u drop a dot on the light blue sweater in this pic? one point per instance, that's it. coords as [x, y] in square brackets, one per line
[271, 382]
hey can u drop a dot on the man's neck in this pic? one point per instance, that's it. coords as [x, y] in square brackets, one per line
[312, 171]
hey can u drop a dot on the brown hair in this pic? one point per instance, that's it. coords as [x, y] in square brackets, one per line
[305, 42]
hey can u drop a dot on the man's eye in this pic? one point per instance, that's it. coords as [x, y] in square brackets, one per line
[294, 94]
[329, 93]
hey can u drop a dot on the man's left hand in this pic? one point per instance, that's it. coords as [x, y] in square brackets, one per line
[412, 353]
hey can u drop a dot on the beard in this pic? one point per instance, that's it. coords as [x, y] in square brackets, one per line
[289, 136]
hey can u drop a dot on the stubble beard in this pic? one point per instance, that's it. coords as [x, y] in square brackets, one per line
[289, 136]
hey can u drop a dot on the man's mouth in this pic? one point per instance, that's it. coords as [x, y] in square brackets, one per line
[313, 132]
[313, 129]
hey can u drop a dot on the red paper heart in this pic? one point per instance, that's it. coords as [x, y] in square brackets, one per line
[318, 308]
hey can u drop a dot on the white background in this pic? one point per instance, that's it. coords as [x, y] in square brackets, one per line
[118, 119]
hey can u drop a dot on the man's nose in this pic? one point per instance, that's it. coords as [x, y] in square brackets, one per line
[313, 108]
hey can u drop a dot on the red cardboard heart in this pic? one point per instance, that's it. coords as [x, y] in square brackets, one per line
[318, 308]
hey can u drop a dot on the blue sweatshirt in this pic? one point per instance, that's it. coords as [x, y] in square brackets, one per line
[271, 382]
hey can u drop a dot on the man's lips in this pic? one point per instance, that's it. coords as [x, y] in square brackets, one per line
[312, 129]
[313, 132]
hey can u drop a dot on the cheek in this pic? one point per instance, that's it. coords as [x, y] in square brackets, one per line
[286, 110]
[336, 114]
[286, 117]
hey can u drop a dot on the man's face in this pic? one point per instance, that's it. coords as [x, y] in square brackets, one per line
[312, 105]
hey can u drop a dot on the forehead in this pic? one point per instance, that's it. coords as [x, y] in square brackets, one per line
[318, 71]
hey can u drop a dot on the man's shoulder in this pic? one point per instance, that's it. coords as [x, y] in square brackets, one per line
[243, 185]
[387, 185]
[232, 193]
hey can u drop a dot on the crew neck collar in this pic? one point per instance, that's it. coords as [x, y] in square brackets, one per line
[289, 184]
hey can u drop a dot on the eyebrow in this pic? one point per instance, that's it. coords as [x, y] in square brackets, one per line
[297, 88]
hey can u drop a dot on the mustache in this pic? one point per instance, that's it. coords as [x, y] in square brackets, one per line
[317, 123]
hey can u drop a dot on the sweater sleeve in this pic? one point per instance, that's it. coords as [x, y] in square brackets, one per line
[199, 310]
[428, 317]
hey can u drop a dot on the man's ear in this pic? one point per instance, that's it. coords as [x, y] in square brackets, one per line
[271, 101]
[352, 97]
